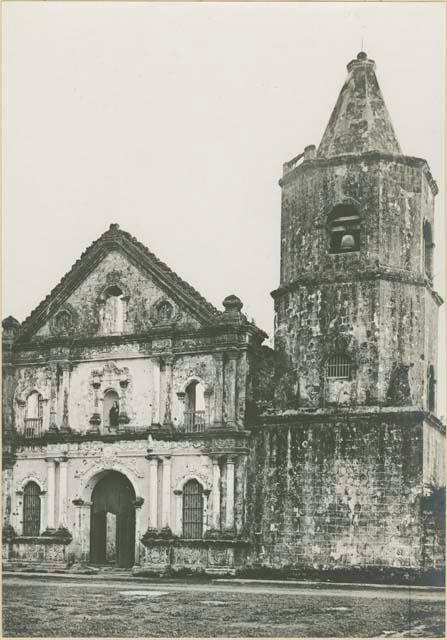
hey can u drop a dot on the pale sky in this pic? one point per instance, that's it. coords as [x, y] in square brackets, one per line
[173, 120]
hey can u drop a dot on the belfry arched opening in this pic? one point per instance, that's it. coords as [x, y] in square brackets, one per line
[112, 521]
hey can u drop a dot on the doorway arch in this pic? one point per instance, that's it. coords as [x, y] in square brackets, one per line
[112, 521]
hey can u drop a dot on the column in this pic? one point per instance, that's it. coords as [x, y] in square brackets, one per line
[82, 528]
[62, 492]
[156, 410]
[53, 397]
[51, 476]
[123, 417]
[169, 361]
[229, 516]
[216, 494]
[153, 492]
[95, 419]
[181, 412]
[218, 390]
[178, 512]
[66, 367]
[233, 356]
[166, 495]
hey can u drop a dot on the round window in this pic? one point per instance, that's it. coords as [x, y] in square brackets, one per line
[165, 311]
[63, 322]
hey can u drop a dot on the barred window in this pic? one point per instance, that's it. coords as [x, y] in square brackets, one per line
[431, 397]
[31, 510]
[428, 249]
[339, 366]
[192, 509]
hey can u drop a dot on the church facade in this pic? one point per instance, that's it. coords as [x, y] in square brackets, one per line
[144, 428]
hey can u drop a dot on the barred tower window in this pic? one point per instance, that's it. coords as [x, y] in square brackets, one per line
[431, 396]
[339, 367]
[344, 229]
[192, 510]
[31, 509]
[428, 249]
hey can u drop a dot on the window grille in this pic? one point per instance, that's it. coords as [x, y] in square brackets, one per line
[338, 366]
[428, 249]
[431, 389]
[192, 510]
[31, 510]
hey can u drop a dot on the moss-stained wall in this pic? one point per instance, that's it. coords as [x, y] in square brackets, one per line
[143, 295]
[375, 304]
[338, 493]
[391, 195]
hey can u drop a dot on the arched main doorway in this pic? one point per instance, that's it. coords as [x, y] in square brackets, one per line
[112, 524]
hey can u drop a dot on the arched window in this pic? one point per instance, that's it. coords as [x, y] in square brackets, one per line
[111, 409]
[34, 414]
[195, 407]
[113, 312]
[338, 367]
[344, 229]
[31, 509]
[431, 393]
[192, 509]
[428, 249]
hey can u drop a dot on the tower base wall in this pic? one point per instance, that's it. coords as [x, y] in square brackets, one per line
[342, 492]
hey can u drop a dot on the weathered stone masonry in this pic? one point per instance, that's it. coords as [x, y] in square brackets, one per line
[142, 427]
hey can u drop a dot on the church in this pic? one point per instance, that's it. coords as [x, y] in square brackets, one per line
[145, 429]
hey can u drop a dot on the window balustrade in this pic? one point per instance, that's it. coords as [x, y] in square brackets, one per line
[194, 421]
[33, 427]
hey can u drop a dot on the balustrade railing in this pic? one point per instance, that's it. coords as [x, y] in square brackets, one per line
[33, 427]
[128, 428]
[194, 421]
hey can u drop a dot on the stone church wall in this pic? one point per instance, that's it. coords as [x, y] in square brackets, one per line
[143, 295]
[337, 494]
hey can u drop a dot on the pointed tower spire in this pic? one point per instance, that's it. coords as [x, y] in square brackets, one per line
[360, 121]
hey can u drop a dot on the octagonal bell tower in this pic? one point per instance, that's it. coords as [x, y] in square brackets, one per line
[355, 312]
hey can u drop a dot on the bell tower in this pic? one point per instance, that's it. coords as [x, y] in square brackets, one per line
[356, 312]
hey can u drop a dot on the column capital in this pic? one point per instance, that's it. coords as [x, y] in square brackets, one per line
[168, 359]
[79, 502]
[167, 457]
[218, 356]
[138, 502]
[152, 457]
[231, 459]
[232, 353]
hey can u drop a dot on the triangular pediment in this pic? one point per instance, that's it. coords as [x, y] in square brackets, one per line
[118, 275]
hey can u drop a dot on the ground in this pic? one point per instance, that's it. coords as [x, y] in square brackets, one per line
[38, 606]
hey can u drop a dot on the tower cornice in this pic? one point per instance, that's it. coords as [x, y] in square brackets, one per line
[292, 168]
[377, 273]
